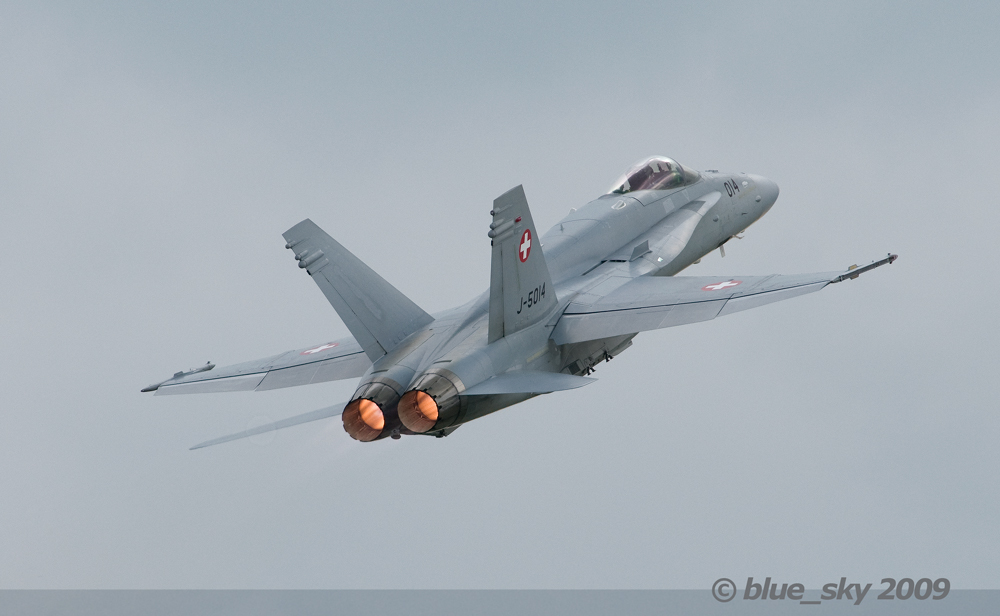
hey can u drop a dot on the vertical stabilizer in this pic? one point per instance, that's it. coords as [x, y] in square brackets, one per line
[377, 314]
[521, 292]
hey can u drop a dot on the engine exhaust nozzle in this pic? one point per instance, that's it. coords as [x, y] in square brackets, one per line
[363, 420]
[372, 413]
[418, 411]
[433, 402]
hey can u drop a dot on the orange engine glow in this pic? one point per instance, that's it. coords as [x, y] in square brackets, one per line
[363, 420]
[371, 414]
[418, 411]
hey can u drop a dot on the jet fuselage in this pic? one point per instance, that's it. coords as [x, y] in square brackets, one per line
[608, 241]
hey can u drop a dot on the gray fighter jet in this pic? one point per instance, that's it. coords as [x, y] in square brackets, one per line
[607, 273]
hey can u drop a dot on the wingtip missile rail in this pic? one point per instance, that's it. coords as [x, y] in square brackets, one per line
[854, 271]
[208, 366]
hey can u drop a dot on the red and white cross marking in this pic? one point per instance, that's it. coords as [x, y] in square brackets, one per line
[721, 285]
[320, 348]
[525, 249]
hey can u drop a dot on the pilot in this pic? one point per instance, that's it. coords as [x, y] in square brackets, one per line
[638, 180]
[653, 174]
[667, 176]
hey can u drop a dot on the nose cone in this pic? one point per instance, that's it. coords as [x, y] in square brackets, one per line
[767, 190]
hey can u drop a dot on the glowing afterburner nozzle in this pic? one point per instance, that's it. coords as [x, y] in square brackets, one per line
[418, 411]
[371, 414]
[363, 420]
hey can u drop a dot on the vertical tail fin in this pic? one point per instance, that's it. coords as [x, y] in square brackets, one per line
[521, 292]
[377, 314]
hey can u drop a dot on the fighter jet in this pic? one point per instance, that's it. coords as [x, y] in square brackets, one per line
[558, 304]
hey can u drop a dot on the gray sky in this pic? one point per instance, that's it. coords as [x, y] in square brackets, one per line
[152, 154]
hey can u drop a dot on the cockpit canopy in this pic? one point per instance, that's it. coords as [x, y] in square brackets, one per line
[654, 173]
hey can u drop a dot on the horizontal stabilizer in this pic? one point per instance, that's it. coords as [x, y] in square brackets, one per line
[323, 413]
[527, 382]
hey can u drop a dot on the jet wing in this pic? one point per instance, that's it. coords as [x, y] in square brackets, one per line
[654, 302]
[332, 361]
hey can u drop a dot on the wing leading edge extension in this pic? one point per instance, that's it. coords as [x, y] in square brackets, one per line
[654, 302]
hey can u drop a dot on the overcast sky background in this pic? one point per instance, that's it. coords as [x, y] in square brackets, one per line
[151, 155]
